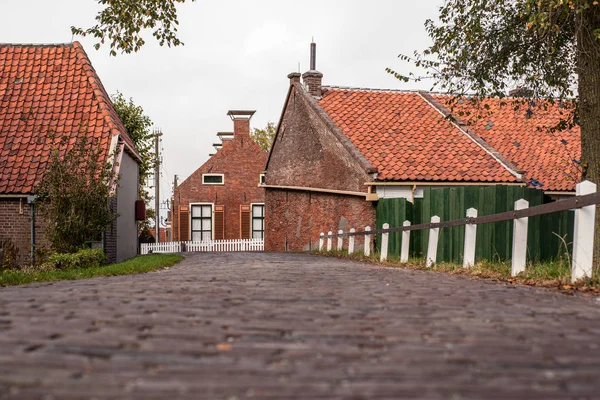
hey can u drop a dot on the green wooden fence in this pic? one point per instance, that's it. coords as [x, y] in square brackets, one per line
[494, 241]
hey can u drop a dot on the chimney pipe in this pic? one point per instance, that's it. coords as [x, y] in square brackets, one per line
[313, 79]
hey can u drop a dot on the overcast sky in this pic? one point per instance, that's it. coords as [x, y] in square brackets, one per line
[237, 55]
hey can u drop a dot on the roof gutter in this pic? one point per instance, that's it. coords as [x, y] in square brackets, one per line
[318, 190]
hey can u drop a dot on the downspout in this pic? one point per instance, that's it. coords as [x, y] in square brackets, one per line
[31, 202]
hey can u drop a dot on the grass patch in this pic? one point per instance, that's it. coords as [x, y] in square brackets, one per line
[136, 265]
[554, 274]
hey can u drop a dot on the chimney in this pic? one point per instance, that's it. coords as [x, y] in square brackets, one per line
[241, 121]
[521, 92]
[294, 77]
[313, 79]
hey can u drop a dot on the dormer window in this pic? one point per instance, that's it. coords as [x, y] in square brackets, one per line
[213, 179]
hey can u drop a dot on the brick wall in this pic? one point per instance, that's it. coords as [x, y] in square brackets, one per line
[294, 219]
[241, 161]
[110, 236]
[15, 224]
[307, 153]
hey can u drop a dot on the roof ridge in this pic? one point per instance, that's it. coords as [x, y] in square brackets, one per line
[462, 126]
[65, 44]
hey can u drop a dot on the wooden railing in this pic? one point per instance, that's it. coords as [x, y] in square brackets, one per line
[584, 204]
[204, 246]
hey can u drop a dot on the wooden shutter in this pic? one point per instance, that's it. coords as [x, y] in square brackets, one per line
[245, 221]
[184, 223]
[219, 222]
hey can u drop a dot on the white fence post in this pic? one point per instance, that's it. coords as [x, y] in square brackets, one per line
[405, 244]
[434, 235]
[367, 241]
[351, 241]
[583, 235]
[519, 247]
[329, 240]
[340, 244]
[321, 241]
[385, 238]
[470, 238]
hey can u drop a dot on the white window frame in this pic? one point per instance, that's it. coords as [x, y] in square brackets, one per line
[209, 183]
[252, 219]
[212, 219]
[262, 180]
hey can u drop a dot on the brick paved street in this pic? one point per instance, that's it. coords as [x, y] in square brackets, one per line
[279, 326]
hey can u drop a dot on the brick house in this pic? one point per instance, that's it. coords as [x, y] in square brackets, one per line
[223, 198]
[338, 150]
[48, 92]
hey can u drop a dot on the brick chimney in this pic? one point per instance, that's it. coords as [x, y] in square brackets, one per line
[294, 77]
[313, 79]
[241, 121]
[521, 92]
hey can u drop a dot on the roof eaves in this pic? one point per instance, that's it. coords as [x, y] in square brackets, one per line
[287, 99]
[462, 126]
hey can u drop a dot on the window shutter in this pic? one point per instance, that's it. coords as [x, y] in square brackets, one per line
[184, 223]
[219, 222]
[245, 219]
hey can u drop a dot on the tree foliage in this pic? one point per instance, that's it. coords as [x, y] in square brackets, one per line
[264, 137]
[484, 48]
[138, 125]
[74, 195]
[487, 47]
[121, 24]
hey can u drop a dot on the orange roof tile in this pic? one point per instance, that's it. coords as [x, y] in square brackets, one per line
[549, 161]
[407, 139]
[45, 90]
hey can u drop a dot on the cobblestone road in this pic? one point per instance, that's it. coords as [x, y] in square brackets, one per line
[279, 326]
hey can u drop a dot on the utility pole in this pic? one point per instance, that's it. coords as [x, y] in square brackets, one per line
[157, 186]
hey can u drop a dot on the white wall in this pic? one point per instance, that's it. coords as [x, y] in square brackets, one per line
[127, 194]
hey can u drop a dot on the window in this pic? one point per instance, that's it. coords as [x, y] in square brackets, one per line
[261, 179]
[213, 179]
[201, 222]
[258, 221]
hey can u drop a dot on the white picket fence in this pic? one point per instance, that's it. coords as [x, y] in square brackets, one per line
[205, 246]
[584, 204]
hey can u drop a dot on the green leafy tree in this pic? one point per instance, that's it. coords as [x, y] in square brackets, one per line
[551, 47]
[138, 125]
[75, 193]
[264, 137]
[121, 24]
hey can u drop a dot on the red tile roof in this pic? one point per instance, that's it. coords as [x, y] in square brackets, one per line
[45, 90]
[548, 160]
[407, 139]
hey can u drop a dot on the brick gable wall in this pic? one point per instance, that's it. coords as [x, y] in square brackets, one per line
[308, 154]
[241, 161]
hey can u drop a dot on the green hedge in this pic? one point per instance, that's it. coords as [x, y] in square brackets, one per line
[87, 258]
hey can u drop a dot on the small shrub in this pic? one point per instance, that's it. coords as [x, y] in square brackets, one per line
[87, 258]
[10, 255]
